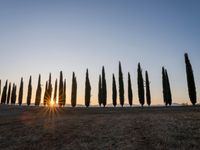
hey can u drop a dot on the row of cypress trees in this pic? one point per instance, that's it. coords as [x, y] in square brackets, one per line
[10, 96]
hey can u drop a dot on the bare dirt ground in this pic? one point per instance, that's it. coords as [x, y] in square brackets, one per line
[40, 128]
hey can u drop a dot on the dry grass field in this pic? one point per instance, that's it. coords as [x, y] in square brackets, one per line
[40, 128]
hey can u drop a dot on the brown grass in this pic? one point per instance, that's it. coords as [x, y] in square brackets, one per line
[40, 128]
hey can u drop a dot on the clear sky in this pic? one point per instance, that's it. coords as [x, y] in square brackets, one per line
[42, 36]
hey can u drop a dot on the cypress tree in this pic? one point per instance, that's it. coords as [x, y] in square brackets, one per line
[13, 94]
[169, 95]
[121, 86]
[114, 92]
[64, 93]
[20, 92]
[164, 86]
[104, 88]
[49, 91]
[100, 92]
[8, 96]
[87, 90]
[38, 92]
[55, 92]
[3, 97]
[148, 94]
[140, 85]
[190, 81]
[74, 90]
[29, 94]
[130, 93]
[60, 98]
[0, 87]
[45, 94]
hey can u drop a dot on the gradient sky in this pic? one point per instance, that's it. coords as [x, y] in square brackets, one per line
[42, 36]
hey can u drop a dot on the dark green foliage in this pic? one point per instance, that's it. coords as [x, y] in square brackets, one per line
[121, 86]
[8, 95]
[29, 94]
[3, 97]
[190, 81]
[45, 94]
[114, 91]
[20, 92]
[13, 94]
[166, 88]
[169, 95]
[100, 91]
[64, 93]
[38, 92]
[60, 97]
[55, 92]
[49, 91]
[148, 94]
[130, 93]
[104, 88]
[74, 90]
[140, 85]
[87, 90]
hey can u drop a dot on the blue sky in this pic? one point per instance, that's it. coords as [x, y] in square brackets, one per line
[43, 36]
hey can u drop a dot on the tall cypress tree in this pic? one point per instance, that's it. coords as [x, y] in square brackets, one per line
[13, 94]
[64, 93]
[87, 90]
[0, 87]
[130, 93]
[45, 94]
[20, 92]
[169, 95]
[49, 91]
[164, 86]
[8, 96]
[3, 97]
[100, 91]
[140, 85]
[60, 98]
[29, 94]
[55, 92]
[114, 92]
[104, 88]
[121, 86]
[148, 93]
[74, 90]
[38, 92]
[190, 80]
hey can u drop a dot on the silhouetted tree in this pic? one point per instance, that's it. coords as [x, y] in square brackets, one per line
[55, 92]
[148, 94]
[38, 92]
[20, 92]
[13, 95]
[130, 93]
[49, 91]
[3, 97]
[8, 95]
[45, 94]
[104, 88]
[114, 92]
[190, 81]
[0, 87]
[29, 94]
[169, 95]
[121, 86]
[60, 98]
[74, 90]
[164, 86]
[64, 93]
[87, 90]
[100, 91]
[140, 85]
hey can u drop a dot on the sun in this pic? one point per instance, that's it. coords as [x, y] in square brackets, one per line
[52, 103]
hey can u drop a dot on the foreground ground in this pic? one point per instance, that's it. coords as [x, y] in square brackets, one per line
[99, 128]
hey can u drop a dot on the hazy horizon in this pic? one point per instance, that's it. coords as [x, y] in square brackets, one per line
[39, 37]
